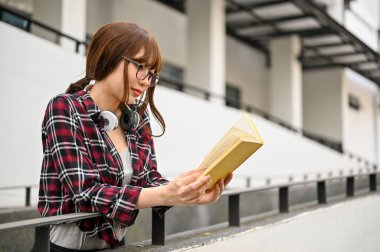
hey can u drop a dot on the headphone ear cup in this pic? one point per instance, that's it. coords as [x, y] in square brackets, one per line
[129, 119]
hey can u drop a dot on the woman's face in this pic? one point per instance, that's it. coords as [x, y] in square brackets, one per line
[136, 87]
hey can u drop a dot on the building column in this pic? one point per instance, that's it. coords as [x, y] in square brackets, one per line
[66, 16]
[286, 80]
[73, 23]
[206, 46]
[377, 127]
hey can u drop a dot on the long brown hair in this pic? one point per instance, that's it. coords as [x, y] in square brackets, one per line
[104, 53]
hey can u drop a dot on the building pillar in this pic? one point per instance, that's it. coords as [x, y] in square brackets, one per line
[66, 16]
[73, 23]
[286, 80]
[377, 128]
[48, 13]
[206, 48]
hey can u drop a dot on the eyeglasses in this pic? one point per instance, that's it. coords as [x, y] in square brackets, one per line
[143, 72]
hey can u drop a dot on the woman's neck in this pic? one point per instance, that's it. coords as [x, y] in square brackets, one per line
[103, 99]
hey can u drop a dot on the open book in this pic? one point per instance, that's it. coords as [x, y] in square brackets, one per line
[236, 146]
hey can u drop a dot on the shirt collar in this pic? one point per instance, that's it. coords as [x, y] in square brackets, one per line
[89, 104]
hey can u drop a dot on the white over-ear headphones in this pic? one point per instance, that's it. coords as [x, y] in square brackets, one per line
[130, 119]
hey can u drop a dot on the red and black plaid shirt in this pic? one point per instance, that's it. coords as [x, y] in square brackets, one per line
[83, 172]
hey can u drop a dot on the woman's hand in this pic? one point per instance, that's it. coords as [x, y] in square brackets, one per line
[213, 195]
[191, 189]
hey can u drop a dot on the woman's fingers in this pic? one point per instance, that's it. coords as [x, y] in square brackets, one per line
[228, 179]
[192, 188]
[191, 172]
[198, 184]
[221, 185]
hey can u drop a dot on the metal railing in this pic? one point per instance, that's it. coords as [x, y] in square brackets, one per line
[28, 191]
[28, 22]
[42, 225]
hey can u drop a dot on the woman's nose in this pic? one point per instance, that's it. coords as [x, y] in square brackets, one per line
[145, 82]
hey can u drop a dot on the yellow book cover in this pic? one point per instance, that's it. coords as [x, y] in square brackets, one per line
[236, 146]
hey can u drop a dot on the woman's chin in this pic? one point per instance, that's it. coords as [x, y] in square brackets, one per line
[131, 100]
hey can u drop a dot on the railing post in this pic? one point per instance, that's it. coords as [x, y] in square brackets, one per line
[27, 197]
[158, 229]
[207, 96]
[373, 182]
[28, 25]
[234, 210]
[321, 187]
[248, 182]
[42, 239]
[77, 44]
[350, 186]
[284, 199]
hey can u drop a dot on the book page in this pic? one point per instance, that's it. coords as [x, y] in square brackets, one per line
[236, 146]
[220, 149]
[246, 124]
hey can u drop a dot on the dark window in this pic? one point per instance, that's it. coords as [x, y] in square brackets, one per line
[354, 102]
[232, 96]
[172, 73]
[14, 20]
[88, 38]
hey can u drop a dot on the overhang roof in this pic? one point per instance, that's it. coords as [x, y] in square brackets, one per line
[325, 42]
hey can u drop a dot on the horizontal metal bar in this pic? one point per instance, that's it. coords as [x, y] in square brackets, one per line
[37, 222]
[43, 221]
[258, 5]
[249, 24]
[17, 187]
[299, 183]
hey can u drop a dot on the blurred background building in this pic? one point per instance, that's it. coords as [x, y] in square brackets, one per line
[307, 71]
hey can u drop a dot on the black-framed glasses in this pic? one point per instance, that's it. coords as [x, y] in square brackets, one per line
[143, 72]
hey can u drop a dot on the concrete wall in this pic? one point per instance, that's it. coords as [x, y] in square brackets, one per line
[363, 20]
[351, 226]
[322, 102]
[246, 69]
[360, 126]
[34, 70]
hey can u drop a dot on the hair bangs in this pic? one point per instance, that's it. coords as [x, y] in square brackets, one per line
[152, 55]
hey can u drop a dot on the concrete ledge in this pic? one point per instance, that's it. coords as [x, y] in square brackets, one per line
[204, 238]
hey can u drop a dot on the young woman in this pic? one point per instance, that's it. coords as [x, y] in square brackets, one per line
[99, 156]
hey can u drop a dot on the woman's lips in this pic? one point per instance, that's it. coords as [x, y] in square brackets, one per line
[136, 92]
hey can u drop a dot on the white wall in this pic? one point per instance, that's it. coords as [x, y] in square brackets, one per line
[363, 20]
[322, 102]
[32, 70]
[47, 12]
[335, 8]
[350, 226]
[195, 125]
[359, 126]
[246, 69]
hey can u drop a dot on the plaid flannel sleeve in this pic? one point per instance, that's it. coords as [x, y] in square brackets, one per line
[77, 173]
